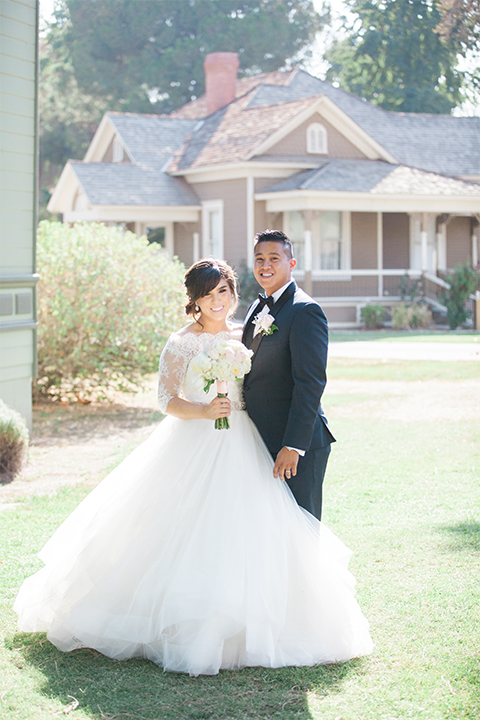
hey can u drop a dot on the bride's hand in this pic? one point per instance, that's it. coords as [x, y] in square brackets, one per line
[218, 408]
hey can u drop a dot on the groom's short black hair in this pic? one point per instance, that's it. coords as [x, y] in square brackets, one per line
[274, 236]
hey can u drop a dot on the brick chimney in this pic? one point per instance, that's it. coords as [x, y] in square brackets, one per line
[220, 79]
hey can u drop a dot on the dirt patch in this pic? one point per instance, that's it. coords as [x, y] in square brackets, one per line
[81, 443]
[77, 442]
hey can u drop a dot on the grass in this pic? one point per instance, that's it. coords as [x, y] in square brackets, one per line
[458, 336]
[401, 370]
[404, 495]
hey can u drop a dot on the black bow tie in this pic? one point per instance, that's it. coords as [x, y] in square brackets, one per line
[262, 301]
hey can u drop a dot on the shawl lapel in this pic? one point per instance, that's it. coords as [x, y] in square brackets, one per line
[289, 292]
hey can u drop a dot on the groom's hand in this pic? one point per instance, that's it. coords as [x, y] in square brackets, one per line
[285, 464]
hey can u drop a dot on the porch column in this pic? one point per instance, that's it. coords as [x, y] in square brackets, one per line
[380, 253]
[250, 219]
[474, 250]
[169, 240]
[424, 242]
[196, 247]
[308, 285]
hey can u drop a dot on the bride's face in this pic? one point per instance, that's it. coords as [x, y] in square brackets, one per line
[217, 304]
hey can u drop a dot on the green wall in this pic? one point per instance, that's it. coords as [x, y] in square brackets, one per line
[18, 170]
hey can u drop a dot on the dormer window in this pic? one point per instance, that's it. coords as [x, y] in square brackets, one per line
[317, 139]
[117, 150]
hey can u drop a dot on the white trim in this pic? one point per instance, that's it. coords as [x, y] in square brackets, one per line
[474, 250]
[236, 171]
[209, 206]
[307, 251]
[250, 219]
[346, 251]
[380, 252]
[169, 239]
[336, 117]
[196, 247]
[134, 213]
[367, 202]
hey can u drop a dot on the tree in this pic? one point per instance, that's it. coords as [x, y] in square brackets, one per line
[147, 56]
[68, 117]
[460, 22]
[394, 58]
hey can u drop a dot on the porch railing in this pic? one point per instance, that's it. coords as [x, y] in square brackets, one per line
[378, 284]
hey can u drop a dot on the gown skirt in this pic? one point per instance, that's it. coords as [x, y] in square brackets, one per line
[191, 554]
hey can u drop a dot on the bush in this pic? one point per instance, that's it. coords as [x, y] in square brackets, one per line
[13, 443]
[372, 316]
[107, 302]
[463, 281]
[408, 317]
[248, 287]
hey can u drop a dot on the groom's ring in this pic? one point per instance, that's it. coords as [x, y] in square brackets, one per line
[287, 472]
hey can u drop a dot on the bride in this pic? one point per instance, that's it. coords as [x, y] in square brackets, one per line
[190, 553]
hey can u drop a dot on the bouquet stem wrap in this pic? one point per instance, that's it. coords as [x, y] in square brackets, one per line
[222, 423]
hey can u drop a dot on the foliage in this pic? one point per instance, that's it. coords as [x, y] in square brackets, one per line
[372, 316]
[460, 23]
[68, 117]
[248, 286]
[13, 443]
[393, 57]
[148, 57]
[107, 302]
[408, 317]
[154, 50]
[412, 289]
[463, 281]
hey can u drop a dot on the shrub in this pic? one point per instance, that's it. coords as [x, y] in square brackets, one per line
[13, 443]
[372, 316]
[407, 317]
[248, 287]
[463, 281]
[107, 302]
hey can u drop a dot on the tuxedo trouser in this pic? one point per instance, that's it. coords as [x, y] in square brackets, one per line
[307, 484]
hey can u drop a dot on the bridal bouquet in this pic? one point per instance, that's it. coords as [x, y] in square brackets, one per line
[225, 360]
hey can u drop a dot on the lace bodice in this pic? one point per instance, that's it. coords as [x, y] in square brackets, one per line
[176, 377]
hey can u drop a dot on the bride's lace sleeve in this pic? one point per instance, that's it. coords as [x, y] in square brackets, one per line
[171, 371]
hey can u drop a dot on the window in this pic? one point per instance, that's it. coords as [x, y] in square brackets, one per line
[317, 139]
[212, 229]
[117, 150]
[156, 235]
[329, 233]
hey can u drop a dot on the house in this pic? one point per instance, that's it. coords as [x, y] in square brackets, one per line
[18, 116]
[365, 194]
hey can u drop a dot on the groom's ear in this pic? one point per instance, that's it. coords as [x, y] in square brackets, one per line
[293, 263]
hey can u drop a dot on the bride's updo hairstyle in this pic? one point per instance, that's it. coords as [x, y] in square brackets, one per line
[203, 277]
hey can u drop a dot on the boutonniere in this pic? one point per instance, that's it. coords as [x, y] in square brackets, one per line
[264, 323]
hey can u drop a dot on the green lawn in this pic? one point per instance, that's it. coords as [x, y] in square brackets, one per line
[405, 496]
[458, 336]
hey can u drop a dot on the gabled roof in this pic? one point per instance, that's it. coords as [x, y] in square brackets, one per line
[370, 176]
[151, 139]
[129, 184]
[437, 143]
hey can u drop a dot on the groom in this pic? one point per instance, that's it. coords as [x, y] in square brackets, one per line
[287, 378]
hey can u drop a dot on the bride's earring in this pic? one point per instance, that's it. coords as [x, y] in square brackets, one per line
[197, 309]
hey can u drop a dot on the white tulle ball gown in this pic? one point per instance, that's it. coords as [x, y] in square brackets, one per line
[192, 555]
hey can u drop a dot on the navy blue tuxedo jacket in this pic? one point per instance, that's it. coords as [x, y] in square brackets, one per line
[284, 387]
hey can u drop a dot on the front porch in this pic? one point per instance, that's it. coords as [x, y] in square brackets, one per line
[343, 294]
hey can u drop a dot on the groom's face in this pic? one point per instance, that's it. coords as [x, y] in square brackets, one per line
[273, 266]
